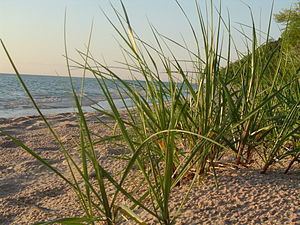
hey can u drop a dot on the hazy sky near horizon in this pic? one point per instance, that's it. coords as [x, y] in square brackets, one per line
[32, 30]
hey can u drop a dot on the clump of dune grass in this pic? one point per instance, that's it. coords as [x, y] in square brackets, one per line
[179, 129]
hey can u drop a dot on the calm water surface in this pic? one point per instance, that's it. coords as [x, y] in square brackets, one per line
[53, 94]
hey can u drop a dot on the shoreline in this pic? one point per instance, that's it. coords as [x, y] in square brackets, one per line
[52, 112]
[30, 193]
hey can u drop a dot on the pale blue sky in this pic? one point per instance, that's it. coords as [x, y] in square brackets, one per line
[33, 29]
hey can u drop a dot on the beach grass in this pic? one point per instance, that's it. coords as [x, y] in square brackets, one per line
[180, 122]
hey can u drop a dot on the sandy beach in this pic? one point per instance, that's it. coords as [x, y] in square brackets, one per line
[29, 192]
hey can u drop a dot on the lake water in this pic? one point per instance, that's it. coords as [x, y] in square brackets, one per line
[53, 94]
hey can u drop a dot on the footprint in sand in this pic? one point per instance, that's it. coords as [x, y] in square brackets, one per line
[7, 144]
[9, 187]
[36, 125]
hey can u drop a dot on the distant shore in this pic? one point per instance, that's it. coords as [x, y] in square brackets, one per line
[30, 193]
